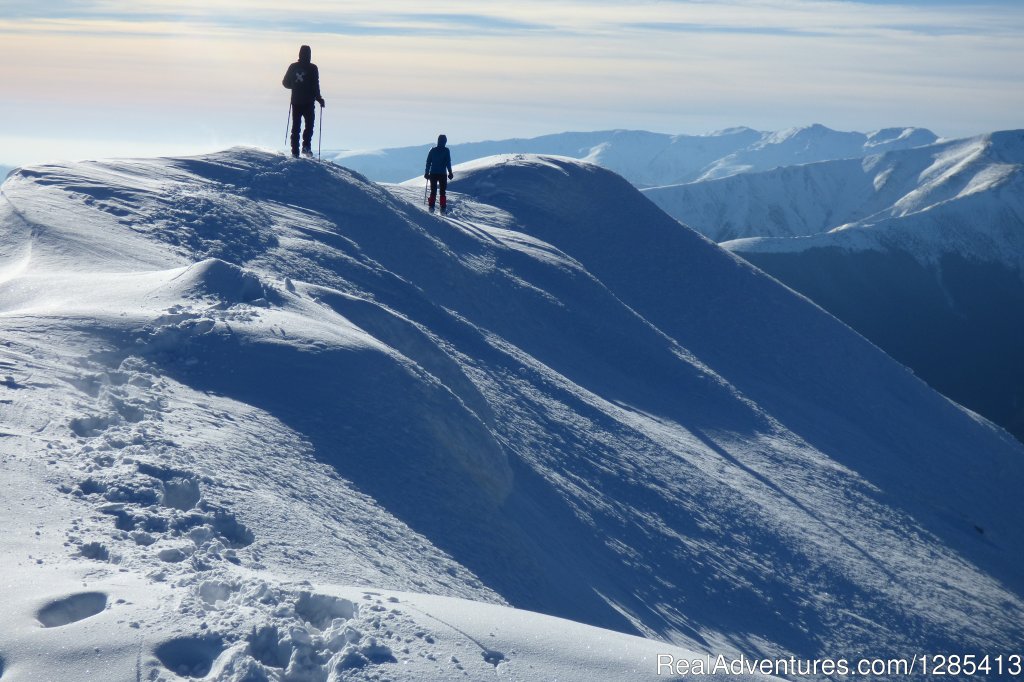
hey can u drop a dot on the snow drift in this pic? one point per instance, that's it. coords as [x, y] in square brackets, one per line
[256, 410]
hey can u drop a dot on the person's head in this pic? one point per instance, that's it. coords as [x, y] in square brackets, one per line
[442, 140]
[305, 54]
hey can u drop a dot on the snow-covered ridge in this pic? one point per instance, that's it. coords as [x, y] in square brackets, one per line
[653, 159]
[274, 407]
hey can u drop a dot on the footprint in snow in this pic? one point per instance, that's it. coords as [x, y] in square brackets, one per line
[493, 657]
[71, 609]
[190, 656]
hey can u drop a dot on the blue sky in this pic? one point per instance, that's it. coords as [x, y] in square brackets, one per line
[112, 77]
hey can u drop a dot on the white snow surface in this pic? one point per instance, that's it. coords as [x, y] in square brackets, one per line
[961, 196]
[263, 419]
[649, 159]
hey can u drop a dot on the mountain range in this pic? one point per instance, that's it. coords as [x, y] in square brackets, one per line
[651, 159]
[265, 419]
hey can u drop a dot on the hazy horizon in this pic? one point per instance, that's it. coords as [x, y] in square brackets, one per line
[118, 78]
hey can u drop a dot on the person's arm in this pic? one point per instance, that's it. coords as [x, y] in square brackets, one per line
[288, 80]
[448, 162]
[426, 168]
[316, 86]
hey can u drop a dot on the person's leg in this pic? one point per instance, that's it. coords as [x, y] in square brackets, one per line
[433, 190]
[296, 122]
[444, 189]
[307, 133]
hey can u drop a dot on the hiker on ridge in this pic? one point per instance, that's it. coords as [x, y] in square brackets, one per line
[439, 161]
[303, 79]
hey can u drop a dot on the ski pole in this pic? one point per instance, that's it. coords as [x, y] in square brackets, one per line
[320, 139]
[426, 184]
[287, 125]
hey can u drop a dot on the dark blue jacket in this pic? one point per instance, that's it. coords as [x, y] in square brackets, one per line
[439, 161]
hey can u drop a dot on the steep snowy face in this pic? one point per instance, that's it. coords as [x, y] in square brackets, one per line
[776, 351]
[238, 372]
[655, 159]
[922, 251]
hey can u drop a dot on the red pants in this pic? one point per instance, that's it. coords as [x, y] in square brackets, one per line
[435, 180]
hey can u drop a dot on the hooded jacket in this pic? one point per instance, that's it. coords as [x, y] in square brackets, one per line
[303, 79]
[439, 159]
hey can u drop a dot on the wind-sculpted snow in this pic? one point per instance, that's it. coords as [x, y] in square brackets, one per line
[256, 397]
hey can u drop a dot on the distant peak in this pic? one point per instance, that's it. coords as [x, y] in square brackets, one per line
[813, 130]
[736, 130]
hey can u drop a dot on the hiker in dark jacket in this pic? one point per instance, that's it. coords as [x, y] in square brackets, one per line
[303, 79]
[439, 162]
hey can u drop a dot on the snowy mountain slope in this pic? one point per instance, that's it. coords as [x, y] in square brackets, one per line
[962, 197]
[920, 250]
[215, 498]
[956, 322]
[234, 379]
[652, 159]
[816, 198]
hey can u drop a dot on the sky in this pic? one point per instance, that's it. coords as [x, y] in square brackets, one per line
[101, 78]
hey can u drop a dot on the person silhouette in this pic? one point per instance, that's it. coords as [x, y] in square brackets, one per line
[439, 162]
[303, 79]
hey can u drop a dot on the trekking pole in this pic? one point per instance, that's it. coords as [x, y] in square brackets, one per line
[320, 139]
[287, 125]
[426, 184]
